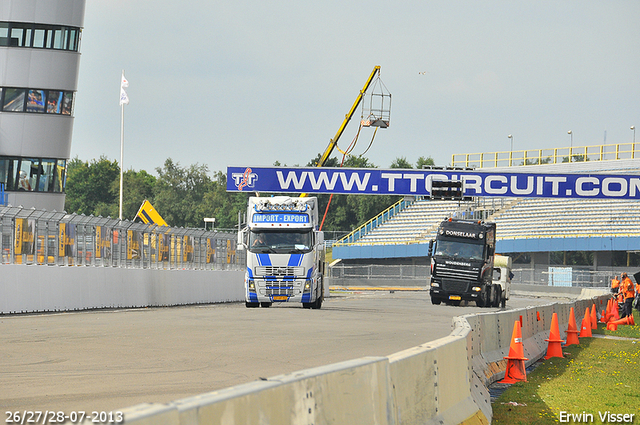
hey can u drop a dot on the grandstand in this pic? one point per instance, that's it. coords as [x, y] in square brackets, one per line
[525, 225]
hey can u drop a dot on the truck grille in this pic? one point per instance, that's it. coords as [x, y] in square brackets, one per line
[455, 285]
[279, 271]
[279, 288]
[454, 273]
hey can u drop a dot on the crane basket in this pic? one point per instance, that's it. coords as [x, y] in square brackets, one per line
[377, 111]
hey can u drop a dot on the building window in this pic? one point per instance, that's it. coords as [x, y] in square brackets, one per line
[36, 101]
[39, 36]
[13, 100]
[33, 174]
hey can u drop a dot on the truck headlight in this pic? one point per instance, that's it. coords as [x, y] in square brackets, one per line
[435, 285]
[476, 289]
[307, 286]
[252, 286]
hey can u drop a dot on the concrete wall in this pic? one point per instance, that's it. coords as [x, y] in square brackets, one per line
[440, 382]
[27, 289]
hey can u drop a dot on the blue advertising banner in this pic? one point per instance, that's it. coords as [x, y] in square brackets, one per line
[373, 181]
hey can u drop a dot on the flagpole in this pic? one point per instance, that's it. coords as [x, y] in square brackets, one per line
[121, 153]
[121, 148]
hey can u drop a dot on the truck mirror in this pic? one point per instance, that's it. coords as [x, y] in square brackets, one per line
[319, 238]
[241, 246]
[430, 251]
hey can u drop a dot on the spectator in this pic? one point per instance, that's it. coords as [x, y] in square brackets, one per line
[628, 291]
[23, 183]
[615, 285]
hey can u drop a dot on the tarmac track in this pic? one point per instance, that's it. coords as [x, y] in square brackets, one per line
[106, 360]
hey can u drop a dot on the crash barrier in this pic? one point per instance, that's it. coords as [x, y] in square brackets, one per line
[441, 382]
[39, 237]
[30, 289]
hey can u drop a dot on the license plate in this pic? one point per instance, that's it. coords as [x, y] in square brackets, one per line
[280, 298]
[455, 297]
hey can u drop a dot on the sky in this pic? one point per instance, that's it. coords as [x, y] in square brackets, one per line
[249, 83]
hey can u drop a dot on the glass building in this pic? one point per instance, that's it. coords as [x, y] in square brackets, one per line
[39, 62]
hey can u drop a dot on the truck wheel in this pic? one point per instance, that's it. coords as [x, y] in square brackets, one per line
[497, 295]
[306, 305]
[317, 305]
[482, 300]
[251, 305]
[265, 305]
[435, 301]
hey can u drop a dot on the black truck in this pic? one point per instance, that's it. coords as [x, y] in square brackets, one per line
[462, 264]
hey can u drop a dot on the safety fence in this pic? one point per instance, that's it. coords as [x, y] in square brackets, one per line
[30, 236]
[607, 152]
[419, 275]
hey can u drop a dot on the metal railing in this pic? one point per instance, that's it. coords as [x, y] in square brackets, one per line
[30, 236]
[419, 275]
[376, 221]
[609, 152]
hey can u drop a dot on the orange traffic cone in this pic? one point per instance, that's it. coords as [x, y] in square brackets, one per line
[632, 322]
[608, 314]
[515, 365]
[624, 321]
[612, 326]
[594, 317]
[585, 330]
[554, 348]
[572, 329]
[614, 309]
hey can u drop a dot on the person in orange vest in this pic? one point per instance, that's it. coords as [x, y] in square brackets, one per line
[628, 290]
[615, 284]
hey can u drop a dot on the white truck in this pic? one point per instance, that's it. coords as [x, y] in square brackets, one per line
[502, 276]
[285, 252]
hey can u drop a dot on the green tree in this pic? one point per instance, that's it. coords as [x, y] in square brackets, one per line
[136, 187]
[179, 191]
[89, 186]
[223, 205]
[401, 162]
[422, 161]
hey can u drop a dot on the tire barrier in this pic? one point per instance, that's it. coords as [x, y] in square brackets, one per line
[443, 381]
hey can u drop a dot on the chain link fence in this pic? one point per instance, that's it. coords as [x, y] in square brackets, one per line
[30, 236]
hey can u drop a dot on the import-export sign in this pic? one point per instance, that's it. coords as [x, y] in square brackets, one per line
[373, 181]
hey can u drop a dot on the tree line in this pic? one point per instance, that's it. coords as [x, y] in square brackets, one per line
[184, 195]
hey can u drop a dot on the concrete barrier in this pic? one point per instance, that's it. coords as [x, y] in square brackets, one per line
[441, 382]
[29, 289]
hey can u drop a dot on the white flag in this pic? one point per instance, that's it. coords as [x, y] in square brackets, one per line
[123, 97]
[123, 94]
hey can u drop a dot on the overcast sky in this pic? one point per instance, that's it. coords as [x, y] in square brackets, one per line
[248, 83]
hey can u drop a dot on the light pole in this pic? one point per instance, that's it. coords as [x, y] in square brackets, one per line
[570, 133]
[633, 145]
[511, 151]
[633, 128]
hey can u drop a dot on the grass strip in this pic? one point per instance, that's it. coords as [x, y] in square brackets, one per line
[597, 381]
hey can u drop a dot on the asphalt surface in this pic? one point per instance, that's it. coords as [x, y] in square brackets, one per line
[108, 360]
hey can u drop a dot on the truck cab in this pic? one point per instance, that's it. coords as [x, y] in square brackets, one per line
[285, 252]
[462, 263]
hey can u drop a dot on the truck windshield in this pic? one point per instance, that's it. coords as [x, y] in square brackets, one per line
[459, 250]
[289, 242]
